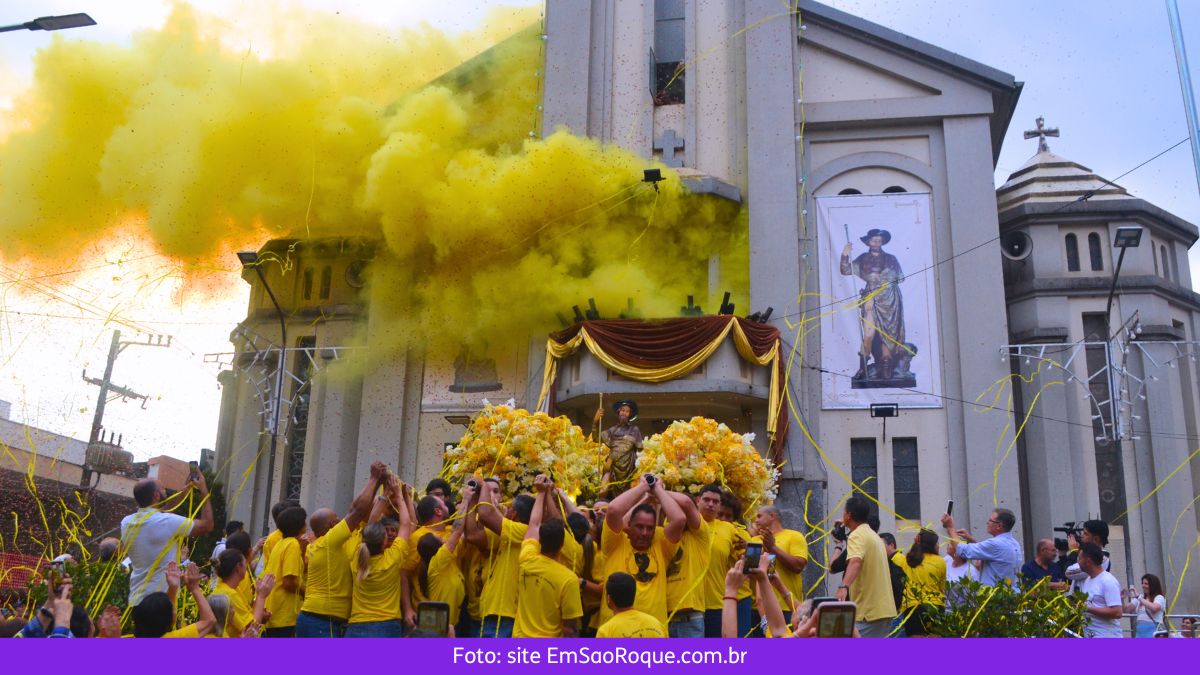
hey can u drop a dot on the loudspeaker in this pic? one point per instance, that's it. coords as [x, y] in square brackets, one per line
[1016, 245]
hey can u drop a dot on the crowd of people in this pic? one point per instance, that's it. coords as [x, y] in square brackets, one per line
[648, 563]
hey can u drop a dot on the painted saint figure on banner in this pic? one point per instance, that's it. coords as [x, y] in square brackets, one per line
[883, 356]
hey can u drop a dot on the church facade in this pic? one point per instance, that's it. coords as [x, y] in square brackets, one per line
[847, 144]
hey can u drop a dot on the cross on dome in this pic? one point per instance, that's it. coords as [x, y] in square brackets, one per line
[1041, 133]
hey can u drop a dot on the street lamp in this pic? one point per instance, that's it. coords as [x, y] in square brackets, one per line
[250, 259]
[52, 23]
[1127, 237]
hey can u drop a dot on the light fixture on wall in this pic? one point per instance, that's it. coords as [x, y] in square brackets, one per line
[885, 410]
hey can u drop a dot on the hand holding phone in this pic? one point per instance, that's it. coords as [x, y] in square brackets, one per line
[754, 551]
[434, 617]
[836, 619]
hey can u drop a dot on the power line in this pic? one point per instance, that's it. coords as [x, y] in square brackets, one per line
[1082, 198]
[77, 271]
[102, 319]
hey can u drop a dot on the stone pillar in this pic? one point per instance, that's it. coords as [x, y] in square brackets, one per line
[333, 431]
[568, 55]
[1047, 446]
[978, 313]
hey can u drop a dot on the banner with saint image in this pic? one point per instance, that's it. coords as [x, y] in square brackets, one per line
[879, 341]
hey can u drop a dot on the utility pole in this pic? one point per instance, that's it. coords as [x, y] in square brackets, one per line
[106, 384]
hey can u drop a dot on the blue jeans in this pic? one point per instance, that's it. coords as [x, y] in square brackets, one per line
[689, 628]
[497, 626]
[712, 623]
[712, 619]
[374, 629]
[318, 626]
[1145, 629]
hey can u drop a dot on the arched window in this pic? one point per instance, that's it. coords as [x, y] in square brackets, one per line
[668, 52]
[893, 189]
[1166, 269]
[1072, 253]
[308, 283]
[1154, 252]
[1095, 253]
[850, 191]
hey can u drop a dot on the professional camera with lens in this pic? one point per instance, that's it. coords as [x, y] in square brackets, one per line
[1069, 529]
[839, 532]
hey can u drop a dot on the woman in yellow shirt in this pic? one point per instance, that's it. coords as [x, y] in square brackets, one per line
[439, 578]
[925, 591]
[377, 570]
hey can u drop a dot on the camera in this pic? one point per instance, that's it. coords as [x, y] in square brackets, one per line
[839, 532]
[473, 484]
[1069, 529]
[650, 479]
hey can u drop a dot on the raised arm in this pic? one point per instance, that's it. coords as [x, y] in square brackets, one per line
[691, 512]
[204, 524]
[473, 531]
[676, 521]
[207, 621]
[617, 508]
[541, 487]
[768, 602]
[729, 618]
[402, 497]
[360, 508]
[489, 507]
[262, 589]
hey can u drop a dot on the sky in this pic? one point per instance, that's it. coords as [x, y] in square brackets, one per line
[1101, 71]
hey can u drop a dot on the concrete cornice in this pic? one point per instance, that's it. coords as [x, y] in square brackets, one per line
[1098, 287]
[1132, 208]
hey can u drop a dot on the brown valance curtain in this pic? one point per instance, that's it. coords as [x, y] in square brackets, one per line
[662, 350]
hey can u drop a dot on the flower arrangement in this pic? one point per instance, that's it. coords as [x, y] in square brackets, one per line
[515, 445]
[689, 455]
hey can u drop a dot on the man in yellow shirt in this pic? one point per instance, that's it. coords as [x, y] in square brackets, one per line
[686, 573]
[866, 580]
[286, 564]
[721, 556]
[549, 603]
[498, 602]
[620, 592]
[231, 569]
[267, 543]
[791, 555]
[642, 549]
[328, 584]
[432, 517]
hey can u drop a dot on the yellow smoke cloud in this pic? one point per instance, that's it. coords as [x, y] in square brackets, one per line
[332, 128]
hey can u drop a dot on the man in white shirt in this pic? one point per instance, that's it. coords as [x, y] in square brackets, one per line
[152, 536]
[1104, 605]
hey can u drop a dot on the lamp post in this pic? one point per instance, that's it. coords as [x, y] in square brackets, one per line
[52, 23]
[1128, 236]
[250, 259]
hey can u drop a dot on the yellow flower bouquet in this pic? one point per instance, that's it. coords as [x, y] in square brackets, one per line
[689, 455]
[515, 445]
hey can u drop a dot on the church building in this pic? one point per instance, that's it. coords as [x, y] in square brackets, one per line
[928, 324]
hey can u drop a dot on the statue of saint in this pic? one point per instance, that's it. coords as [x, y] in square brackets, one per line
[881, 313]
[624, 440]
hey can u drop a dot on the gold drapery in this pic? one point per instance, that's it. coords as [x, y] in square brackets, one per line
[665, 350]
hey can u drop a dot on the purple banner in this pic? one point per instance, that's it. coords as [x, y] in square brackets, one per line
[598, 656]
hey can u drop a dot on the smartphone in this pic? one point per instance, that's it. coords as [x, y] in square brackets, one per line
[193, 470]
[950, 507]
[753, 555]
[836, 619]
[434, 617]
[817, 602]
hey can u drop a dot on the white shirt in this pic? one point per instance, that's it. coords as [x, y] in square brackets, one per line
[966, 571]
[1143, 614]
[1103, 590]
[152, 538]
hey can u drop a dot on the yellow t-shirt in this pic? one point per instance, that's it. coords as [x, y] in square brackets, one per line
[792, 543]
[872, 588]
[377, 598]
[631, 624]
[926, 583]
[687, 569]
[328, 586]
[648, 568]
[571, 555]
[269, 545]
[413, 559]
[240, 613]
[720, 559]
[500, 577]
[548, 592]
[593, 603]
[286, 560]
[471, 560]
[246, 586]
[445, 582]
[189, 631]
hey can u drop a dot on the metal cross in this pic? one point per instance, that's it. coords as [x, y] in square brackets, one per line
[668, 143]
[1041, 133]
